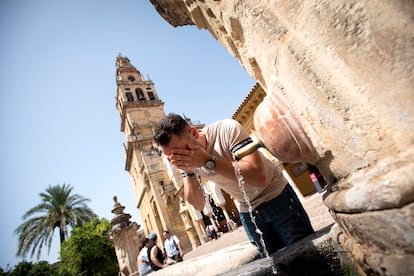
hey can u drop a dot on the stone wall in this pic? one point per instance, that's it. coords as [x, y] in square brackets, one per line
[339, 78]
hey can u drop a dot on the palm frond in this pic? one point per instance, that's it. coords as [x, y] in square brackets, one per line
[59, 208]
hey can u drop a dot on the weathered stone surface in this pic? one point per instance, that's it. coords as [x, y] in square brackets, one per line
[391, 231]
[345, 71]
[173, 11]
[314, 255]
[339, 64]
[389, 184]
[372, 260]
[124, 238]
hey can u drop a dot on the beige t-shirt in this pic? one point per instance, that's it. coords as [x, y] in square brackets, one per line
[221, 137]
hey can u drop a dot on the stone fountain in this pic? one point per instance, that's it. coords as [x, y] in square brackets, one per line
[339, 78]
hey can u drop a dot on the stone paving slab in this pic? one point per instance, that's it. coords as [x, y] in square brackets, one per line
[226, 240]
[316, 255]
[215, 263]
[317, 211]
[233, 250]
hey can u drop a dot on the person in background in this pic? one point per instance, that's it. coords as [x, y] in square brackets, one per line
[231, 226]
[155, 256]
[144, 267]
[172, 248]
[208, 153]
[208, 233]
[212, 231]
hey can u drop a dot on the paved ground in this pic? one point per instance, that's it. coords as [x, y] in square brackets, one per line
[317, 211]
[232, 250]
[227, 240]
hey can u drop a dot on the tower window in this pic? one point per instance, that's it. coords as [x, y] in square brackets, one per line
[129, 97]
[151, 96]
[131, 78]
[140, 94]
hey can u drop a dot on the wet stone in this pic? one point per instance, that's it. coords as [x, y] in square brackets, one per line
[317, 254]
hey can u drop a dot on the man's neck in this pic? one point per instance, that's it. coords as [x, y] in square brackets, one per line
[202, 139]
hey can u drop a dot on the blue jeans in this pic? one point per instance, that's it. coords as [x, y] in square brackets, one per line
[281, 220]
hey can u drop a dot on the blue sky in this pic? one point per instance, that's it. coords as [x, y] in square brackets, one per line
[57, 83]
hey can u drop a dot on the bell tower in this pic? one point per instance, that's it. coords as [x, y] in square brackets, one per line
[137, 103]
[157, 185]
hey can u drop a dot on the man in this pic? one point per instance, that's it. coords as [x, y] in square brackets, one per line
[277, 211]
[172, 248]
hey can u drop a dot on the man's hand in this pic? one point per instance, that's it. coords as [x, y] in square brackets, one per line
[188, 159]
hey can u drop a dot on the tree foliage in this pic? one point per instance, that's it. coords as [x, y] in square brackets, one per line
[59, 208]
[25, 268]
[88, 251]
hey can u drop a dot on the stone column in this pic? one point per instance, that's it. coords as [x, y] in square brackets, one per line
[185, 216]
[339, 82]
[198, 223]
[125, 240]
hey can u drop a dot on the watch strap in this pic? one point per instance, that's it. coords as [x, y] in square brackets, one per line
[185, 174]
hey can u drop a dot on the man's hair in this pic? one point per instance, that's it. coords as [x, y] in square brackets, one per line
[171, 124]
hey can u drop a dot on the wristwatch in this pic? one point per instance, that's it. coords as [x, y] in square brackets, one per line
[210, 164]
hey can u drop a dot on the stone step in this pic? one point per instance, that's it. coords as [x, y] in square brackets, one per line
[317, 254]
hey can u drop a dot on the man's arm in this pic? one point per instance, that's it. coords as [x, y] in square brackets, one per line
[193, 192]
[177, 242]
[251, 166]
[154, 259]
[252, 169]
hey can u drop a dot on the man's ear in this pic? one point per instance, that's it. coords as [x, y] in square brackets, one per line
[194, 132]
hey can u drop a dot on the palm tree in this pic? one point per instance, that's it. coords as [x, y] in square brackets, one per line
[59, 209]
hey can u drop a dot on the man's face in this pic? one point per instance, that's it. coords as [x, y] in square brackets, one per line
[178, 142]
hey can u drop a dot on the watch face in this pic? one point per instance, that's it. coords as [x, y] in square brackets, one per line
[210, 165]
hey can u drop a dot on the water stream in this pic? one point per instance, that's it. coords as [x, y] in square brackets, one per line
[240, 180]
[244, 149]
